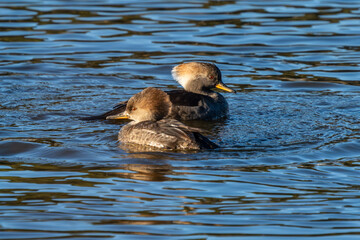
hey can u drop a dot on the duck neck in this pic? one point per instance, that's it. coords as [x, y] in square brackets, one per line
[198, 89]
[195, 86]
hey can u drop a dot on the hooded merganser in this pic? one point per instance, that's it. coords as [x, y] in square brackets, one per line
[150, 127]
[197, 101]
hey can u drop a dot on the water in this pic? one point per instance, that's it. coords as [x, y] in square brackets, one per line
[289, 162]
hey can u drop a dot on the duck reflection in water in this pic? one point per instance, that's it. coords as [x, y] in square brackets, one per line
[151, 126]
[196, 102]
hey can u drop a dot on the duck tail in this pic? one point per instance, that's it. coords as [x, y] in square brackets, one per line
[204, 142]
[117, 110]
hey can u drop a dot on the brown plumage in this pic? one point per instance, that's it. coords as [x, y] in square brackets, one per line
[197, 101]
[150, 127]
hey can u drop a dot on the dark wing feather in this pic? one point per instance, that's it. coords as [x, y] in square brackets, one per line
[204, 142]
[178, 129]
[173, 123]
[184, 98]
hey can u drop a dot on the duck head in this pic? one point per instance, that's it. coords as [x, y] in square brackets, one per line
[199, 77]
[151, 104]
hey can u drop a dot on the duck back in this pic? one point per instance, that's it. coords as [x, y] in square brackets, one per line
[164, 134]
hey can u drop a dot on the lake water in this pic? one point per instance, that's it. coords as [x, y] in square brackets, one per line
[289, 166]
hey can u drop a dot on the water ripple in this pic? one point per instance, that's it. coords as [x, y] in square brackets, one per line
[289, 159]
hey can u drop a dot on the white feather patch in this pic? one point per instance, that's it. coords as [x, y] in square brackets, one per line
[181, 79]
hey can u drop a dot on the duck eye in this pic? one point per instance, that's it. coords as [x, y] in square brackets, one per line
[133, 109]
[211, 77]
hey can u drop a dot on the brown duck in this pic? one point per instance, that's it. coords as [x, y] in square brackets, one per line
[197, 101]
[151, 126]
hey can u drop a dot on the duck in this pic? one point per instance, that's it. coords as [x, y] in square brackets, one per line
[151, 126]
[197, 101]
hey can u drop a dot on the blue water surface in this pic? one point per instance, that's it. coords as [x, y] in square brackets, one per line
[289, 162]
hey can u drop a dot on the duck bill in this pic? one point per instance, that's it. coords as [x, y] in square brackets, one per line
[118, 116]
[222, 86]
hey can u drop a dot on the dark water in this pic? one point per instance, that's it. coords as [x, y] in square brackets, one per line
[289, 163]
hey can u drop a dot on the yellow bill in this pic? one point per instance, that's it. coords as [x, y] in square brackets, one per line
[118, 116]
[225, 88]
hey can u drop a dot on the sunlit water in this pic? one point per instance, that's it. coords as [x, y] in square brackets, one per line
[289, 162]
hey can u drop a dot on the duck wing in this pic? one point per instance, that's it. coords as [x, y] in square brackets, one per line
[166, 134]
[175, 124]
[185, 98]
[148, 133]
[186, 133]
[194, 106]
